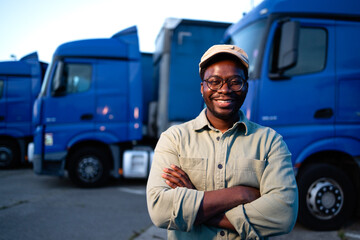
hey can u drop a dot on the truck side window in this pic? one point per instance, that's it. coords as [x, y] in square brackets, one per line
[74, 78]
[78, 77]
[312, 52]
[1, 88]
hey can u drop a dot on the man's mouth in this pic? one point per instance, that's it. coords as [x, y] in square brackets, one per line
[223, 102]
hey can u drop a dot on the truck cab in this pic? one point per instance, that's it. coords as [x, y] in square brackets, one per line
[304, 82]
[20, 83]
[89, 108]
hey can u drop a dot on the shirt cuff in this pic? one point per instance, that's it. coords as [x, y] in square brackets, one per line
[238, 219]
[185, 208]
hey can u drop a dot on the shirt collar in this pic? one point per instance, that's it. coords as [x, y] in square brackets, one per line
[201, 122]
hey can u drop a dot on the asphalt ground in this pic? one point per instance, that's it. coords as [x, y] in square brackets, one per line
[351, 232]
[45, 207]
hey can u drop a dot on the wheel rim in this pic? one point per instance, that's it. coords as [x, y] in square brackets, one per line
[5, 156]
[90, 169]
[325, 198]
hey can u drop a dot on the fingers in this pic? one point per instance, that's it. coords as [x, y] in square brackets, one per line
[176, 172]
[172, 185]
[172, 181]
[176, 177]
[180, 172]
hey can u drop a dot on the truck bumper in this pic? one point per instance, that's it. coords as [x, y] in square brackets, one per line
[137, 163]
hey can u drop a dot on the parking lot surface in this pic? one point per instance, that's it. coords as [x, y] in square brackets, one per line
[43, 207]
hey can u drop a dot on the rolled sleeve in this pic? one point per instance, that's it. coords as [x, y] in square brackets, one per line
[174, 209]
[275, 212]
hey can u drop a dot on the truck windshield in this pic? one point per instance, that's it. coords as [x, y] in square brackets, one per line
[249, 39]
[46, 79]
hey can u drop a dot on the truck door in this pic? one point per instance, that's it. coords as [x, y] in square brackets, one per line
[69, 107]
[348, 80]
[300, 101]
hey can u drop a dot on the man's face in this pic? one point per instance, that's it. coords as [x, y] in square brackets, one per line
[224, 103]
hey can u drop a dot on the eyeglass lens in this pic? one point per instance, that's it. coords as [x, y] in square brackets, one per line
[235, 83]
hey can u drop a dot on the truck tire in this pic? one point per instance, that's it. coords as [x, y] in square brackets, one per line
[9, 154]
[89, 167]
[326, 197]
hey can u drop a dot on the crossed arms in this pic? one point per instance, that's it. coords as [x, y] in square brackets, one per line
[177, 203]
[215, 203]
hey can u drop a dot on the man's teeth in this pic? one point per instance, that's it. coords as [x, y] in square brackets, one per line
[224, 101]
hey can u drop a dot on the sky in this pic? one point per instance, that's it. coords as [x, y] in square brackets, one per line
[42, 25]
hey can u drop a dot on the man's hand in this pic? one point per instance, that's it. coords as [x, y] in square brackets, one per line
[215, 203]
[220, 221]
[218, 201]
[176, 177]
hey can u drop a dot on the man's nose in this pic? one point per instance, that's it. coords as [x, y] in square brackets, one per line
[225, 88]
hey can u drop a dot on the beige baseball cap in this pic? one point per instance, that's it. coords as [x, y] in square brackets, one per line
[224, 48]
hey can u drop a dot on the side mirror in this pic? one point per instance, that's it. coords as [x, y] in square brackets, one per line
[286, 55]
[289, 42]
[59, 81]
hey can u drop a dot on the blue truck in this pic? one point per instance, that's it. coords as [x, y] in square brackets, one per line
[89, 107]
[98, 110]
[20, 83]
[305, 83]
[179, 46]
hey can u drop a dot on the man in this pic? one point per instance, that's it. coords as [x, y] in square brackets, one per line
[221, 176]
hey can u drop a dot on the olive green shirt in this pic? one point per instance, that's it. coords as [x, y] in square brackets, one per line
[247, 154]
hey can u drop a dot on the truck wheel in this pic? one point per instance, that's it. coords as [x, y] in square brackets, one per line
[9, 154]
[326, 197]
[89, 167]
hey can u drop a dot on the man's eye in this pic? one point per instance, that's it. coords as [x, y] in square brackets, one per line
[214, 82]
[235, 82]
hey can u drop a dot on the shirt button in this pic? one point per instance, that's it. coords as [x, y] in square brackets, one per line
[220, 166]
[222, 233]
[218, 138]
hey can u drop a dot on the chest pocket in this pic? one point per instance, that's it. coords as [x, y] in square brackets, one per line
[246, 172]
[196, 170]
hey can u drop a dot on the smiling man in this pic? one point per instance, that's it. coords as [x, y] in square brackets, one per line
[221, 176]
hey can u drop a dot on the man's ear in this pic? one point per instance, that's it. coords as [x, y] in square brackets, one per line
[202, 88]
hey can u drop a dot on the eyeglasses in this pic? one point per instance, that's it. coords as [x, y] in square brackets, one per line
[235, 83]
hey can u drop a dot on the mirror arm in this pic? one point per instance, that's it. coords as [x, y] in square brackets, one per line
[278, 76]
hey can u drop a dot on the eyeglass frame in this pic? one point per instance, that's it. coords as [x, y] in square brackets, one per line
[225, 81]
